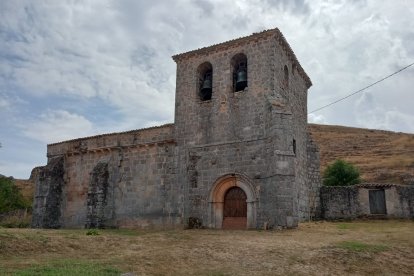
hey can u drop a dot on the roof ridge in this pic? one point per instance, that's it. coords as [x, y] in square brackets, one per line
[111, 133]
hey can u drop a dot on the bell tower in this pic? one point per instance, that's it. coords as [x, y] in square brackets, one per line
[241, 109]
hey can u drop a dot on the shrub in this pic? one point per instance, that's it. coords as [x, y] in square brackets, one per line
[92, 232]
[10, 196]
[341, 173]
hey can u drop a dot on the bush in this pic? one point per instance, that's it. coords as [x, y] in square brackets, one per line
[92, 232]
[341, 173]
[10, 196]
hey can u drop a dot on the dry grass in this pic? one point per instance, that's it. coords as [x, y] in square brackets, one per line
[381, 156]
[322, 248]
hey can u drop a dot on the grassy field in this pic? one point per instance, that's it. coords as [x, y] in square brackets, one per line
[320, 248]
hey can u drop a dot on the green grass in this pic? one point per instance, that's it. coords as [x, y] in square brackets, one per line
[92, 232]
[66, 267]
[343, 226]
[356, 246]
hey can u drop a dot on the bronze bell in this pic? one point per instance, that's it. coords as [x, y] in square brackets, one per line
[206, 88]
[241, 79]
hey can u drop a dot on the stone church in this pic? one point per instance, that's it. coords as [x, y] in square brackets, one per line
[237, 156]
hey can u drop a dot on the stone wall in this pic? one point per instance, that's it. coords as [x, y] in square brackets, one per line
[249, 132]
[115, 180]
[353, 202]
[47, 203]
[406, 201]
[271, 176]
[109, 141]
[310, 205]
[163, 176]
[339, 202]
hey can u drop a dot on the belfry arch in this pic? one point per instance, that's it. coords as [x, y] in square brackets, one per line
[217, 199]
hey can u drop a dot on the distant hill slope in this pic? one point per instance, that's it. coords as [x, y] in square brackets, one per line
[381, 156]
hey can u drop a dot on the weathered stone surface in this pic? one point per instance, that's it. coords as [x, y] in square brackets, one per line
[406, 201]
[97, 196]
[353, 202]
[340, 202]
[255, 139]
[48, 195]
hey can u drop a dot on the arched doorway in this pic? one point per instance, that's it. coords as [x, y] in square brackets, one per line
[235, 209]
[232, 198]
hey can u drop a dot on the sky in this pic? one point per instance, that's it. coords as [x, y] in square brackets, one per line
[71, 68]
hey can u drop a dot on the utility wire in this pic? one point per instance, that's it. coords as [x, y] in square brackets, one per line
[360, 90]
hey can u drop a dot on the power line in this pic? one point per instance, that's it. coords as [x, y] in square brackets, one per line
[360, 90]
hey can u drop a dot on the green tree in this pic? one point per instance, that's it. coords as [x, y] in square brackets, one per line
[10, 195]
[341, 173]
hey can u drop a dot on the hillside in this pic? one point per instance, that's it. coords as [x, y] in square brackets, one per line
[381, 156]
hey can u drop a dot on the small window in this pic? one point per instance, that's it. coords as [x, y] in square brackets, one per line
[294, 146]
[205, 81]
[240, 80]
[286, 76]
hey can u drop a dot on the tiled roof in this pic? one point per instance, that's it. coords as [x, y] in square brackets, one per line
[376, 185]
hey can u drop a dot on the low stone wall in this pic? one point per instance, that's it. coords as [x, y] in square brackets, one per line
[406, 200]
[339, 202]
[353, 201]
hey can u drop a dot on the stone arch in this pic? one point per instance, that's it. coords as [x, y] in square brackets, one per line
[239, 69]
[205, 81]
[218, 191]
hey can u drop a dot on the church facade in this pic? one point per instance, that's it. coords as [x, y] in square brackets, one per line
[237, 156]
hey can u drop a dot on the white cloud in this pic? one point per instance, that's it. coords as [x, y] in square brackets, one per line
[4, 103]
[117, 53]
[316, 119]
[58, 125]
[371, 114]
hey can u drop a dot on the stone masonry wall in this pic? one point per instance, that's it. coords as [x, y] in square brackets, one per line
[49, 185]
[162, 176]
[120, 180]
[339, 202]
[112, 141]
[270, 111]
[406, 201]
[98, 197]
[311, 208]
[272, 177]
[352, 202]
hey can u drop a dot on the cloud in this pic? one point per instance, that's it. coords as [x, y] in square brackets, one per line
[4, 103]
[316, 119]
[58, 125]
[67, 50]
[105, 65]
[371, 114]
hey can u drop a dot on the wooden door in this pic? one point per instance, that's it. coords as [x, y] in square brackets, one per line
[377, 202]
[235, 209]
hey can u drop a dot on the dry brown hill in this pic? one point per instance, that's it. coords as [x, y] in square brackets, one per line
[381, 156]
